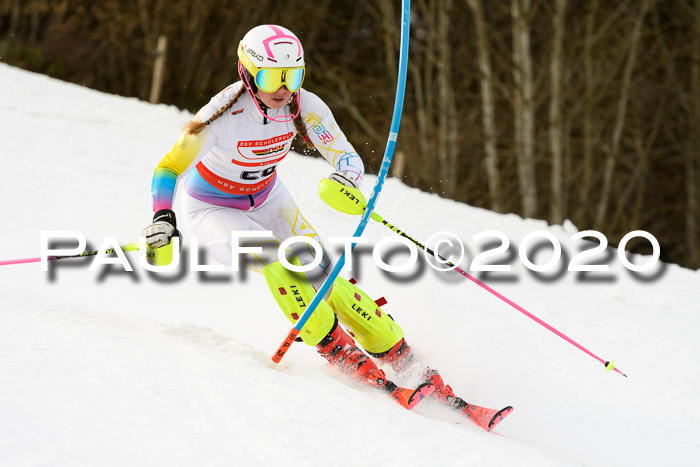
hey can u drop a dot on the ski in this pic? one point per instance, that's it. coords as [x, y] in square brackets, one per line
[485, 418]
[409, 398]
[481, 416]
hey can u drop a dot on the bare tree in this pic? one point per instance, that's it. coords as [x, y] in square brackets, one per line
[14, 18]
[447, 113]
[487, 105]
[342, 99]
[611, 161]
[693, 158]
[524, 106]
[388, 20]
[587, 179]
[430, 71]
[556, 127]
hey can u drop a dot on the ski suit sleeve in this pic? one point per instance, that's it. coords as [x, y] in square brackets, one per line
[328, 138]
[172, 167]
[188, 149]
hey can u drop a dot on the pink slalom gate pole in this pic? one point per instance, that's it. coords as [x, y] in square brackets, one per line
[127, 247]
[609, 365]
[24, 260]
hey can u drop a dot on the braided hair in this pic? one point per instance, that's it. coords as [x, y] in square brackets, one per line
[194, 127]
[299, 122]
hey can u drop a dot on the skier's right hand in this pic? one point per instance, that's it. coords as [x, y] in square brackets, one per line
[163, 229]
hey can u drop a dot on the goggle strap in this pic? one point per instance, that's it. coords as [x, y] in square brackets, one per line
[279, 119]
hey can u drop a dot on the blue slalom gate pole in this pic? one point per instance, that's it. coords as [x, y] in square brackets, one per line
[383, 171]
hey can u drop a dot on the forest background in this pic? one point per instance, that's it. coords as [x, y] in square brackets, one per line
[551, 109]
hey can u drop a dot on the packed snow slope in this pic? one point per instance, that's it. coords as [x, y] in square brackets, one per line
[114, 368]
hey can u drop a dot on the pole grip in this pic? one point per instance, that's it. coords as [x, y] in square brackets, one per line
[286, 344]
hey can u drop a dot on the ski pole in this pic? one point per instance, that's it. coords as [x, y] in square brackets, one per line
[351, 201]
[127, 247]
[383, 171]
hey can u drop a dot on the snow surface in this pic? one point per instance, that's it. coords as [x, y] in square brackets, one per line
[114, 368]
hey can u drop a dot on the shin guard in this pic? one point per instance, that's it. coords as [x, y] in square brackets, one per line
[375, 331]
[293, 293]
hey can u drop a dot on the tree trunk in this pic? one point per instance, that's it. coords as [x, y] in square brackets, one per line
[14, 19]
[388, 21]
[611, 162]
[587, 179]
[422, 67]
[447, 118]
[693, 158]
[487, 106]
[524, 106]
[34, 22]
[158, 69]
[428, 85]
[398, 165]
[557, 204]
[421, 116]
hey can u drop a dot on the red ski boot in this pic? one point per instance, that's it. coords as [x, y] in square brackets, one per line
[399, 357]
[340, 350]
[442, 391]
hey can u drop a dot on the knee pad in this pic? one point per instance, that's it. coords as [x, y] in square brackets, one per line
[293, 293]
[376, 331]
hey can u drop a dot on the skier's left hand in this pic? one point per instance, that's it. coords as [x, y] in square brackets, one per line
[343, 178]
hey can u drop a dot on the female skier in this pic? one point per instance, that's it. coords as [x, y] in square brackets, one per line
[230, 152]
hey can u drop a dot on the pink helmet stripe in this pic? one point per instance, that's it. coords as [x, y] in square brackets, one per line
[279, 34]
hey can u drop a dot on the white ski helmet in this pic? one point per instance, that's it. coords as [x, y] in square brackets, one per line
[270, 46]
[271, 56]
